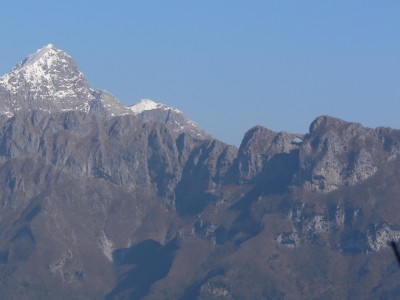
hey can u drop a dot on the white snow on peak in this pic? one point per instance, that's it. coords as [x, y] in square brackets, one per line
[47, 80]
[147, 104]
[45, 54]
[179, 123]
[45, 72]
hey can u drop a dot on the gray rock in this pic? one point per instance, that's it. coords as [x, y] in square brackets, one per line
[103, 201]
[259, 146]
[149, 110]
[338, 153]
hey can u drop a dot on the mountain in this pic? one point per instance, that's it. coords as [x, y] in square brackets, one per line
[49, 80]
[104, 201]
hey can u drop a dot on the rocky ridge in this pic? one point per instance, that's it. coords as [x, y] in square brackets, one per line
[147, 110]
[49, 80]
[100, 200]
[338, 153]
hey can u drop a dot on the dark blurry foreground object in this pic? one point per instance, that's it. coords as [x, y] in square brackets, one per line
[396, 251]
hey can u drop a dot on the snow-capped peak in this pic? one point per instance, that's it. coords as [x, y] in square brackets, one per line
[147, 104]
[45, 55]
[45, 72]
[47, 80]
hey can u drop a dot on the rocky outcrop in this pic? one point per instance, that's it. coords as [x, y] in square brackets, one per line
[122, 150]
[261, 146]
[332, 155]
[203, 176]
[337, 153]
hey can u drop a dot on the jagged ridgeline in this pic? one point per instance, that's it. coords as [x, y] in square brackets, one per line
[103, 201]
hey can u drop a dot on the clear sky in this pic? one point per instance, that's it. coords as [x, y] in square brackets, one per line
[227, 64]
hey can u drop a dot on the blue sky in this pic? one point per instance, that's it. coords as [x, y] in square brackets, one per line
[229, 65]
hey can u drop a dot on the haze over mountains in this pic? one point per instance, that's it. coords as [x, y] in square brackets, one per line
[100, 200]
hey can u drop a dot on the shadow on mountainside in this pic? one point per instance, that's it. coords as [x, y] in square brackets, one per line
[275, 179]
[151, 261]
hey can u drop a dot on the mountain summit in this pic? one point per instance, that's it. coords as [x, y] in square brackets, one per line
[49, 80]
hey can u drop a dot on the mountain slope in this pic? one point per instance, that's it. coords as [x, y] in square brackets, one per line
[115, 177]
[103, 201]
[88, 205]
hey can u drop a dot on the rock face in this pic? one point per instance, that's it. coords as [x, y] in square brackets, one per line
[123, 150]
[103, 201]
[148, 110]
[338, 153]
[261, 147]
[334, 154]
[106, 105]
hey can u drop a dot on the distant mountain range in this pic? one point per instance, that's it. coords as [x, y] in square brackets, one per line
[104, 201]
[50, 81]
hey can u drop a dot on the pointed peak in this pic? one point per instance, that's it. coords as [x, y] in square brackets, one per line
[44, 54]
[48, 73]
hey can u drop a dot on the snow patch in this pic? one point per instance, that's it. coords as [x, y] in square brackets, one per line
[148, 104]
[9, 114]
[107, 246]
[297, 140]
[47, 52]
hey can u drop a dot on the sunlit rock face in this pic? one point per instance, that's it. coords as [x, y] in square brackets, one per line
[338, 153]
